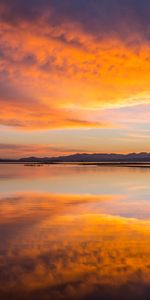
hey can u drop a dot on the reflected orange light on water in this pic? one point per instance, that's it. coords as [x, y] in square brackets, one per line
[55, 244]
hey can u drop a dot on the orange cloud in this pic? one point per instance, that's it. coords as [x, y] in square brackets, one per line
[53, 73]
[17, 150]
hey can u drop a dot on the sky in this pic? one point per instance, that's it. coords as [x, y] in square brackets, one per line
[74, 77]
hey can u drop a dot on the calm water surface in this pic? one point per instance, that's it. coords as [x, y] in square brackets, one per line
[74, 232]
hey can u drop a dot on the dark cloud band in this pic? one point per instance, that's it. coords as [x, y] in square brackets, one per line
[105, 17]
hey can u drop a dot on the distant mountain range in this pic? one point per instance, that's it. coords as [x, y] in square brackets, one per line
[85, 157]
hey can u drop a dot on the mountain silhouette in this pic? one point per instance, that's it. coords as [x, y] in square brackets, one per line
[85, 157]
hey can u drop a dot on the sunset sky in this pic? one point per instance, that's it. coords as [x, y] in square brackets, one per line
[74, 76]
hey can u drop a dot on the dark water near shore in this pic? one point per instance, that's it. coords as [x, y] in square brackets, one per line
[74, 232]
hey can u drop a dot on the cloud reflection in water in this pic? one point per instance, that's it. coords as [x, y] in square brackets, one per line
[71, 247]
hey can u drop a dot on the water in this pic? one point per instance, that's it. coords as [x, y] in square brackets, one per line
[74, 232]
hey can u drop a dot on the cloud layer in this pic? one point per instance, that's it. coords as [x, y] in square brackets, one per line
[58, 58]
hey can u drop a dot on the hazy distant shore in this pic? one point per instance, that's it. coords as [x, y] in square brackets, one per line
[142, 158]
[84, 159]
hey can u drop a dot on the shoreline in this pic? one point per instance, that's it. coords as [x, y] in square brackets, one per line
[114, 164]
